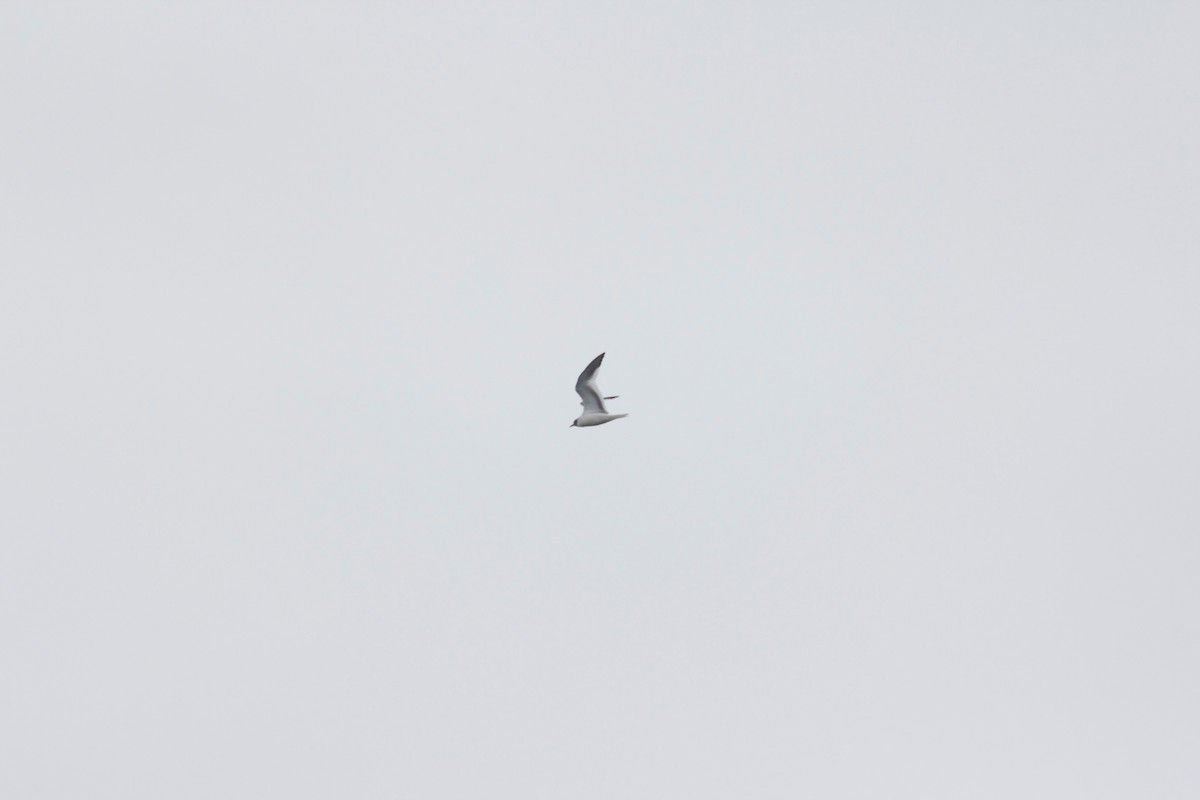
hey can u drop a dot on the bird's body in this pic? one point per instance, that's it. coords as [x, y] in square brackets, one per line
[588, 420]
[594, 412]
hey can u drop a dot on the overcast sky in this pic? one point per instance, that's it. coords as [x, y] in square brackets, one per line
[902, 304]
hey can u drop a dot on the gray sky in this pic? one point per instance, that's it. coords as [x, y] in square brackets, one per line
[902, 305]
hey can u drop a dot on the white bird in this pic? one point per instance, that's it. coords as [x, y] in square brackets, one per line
[594, 412]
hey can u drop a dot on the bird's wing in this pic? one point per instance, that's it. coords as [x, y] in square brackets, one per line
[593, 402]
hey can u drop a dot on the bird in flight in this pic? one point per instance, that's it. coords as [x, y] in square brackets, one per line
[594, 412]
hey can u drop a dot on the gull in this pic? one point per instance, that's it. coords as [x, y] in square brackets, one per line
[594, 412]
